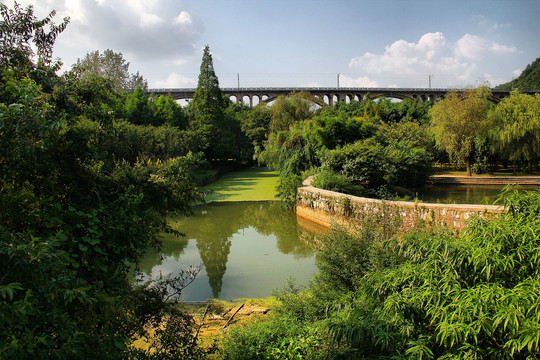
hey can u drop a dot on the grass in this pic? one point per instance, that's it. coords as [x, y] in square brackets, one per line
[254, 184]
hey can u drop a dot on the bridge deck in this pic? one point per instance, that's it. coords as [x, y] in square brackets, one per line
[329, 95]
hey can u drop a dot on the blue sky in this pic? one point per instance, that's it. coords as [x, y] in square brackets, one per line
[395, 43]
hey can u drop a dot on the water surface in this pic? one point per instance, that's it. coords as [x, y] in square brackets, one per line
[465, 194]
[247, 249]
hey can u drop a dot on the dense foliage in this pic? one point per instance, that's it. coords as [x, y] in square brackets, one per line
[516, 128]
[113, 66]
[426, 294]
[90, 166]
[529, 79]
[459, 122]
[79, 204]
[207, 113]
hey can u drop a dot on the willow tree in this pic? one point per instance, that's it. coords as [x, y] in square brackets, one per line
[290, 109]
[459, 121]
[516, 129]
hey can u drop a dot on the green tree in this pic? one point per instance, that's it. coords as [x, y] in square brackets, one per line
[20, 27]
[111, 65]
[290, 109]
[89, 96]
[289, 151]
[72, 219]
[516, 131]
[343, 109]
[165, 110]
[459, 121]
[207, 105]
[206, 108]
[397, 155]
[256, 125]
[332, 132]
[234, 144]
[137, 109]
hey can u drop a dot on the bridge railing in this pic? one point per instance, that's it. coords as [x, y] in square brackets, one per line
[318, 89]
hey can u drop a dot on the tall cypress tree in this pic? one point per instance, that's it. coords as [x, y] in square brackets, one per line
[207, 110]
[207, 105]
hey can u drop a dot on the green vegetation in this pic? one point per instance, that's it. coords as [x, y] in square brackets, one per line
[217, 127]
[112, 66]
[382, 148]
[426, 294]
[459, 123]
[517, 127]
[91, 166]
[528, 80]
[83, 194]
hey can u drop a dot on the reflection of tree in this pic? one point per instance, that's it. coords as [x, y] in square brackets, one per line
[214, 224]
[214, 254]
[215, 227]
[271, 218]
[172, 245]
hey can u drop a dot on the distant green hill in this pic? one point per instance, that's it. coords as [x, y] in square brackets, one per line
[528, 80]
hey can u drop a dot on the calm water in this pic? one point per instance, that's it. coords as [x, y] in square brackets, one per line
[465, 194]
[247, 249]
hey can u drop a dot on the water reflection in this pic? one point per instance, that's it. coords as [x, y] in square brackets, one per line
[251, 247]
[465, 194]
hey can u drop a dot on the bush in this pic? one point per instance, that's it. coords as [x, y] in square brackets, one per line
[470, 295]
[278, 337]
[398, 155]
[330, 180]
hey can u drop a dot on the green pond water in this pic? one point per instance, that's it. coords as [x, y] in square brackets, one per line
[246, 249]
[465, 194]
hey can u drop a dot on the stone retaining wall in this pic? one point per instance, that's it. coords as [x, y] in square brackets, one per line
[328, 208]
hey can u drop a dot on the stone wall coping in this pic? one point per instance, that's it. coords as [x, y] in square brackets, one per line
[306, 186]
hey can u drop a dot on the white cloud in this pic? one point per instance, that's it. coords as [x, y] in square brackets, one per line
[475, 47]
[175, 80]
[141, 29]
[406, 63]
[362, 81]
[183, 18]
[150, 20]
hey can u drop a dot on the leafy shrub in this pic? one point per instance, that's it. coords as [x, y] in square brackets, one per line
[278, 337]
[470, 295]
[330, 180]
[397, 155]
[287, 190]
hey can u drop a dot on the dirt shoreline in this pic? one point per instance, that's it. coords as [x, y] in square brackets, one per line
[221, 315]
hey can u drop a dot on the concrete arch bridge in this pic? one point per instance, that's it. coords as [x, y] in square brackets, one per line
[328, 96]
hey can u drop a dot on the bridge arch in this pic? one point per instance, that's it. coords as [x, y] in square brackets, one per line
[329, 96]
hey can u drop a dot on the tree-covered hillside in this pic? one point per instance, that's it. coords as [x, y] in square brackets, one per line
[529, 78]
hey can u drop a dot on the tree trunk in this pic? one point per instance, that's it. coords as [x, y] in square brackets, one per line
[514, 167]
[530, 166]
[468, 163]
